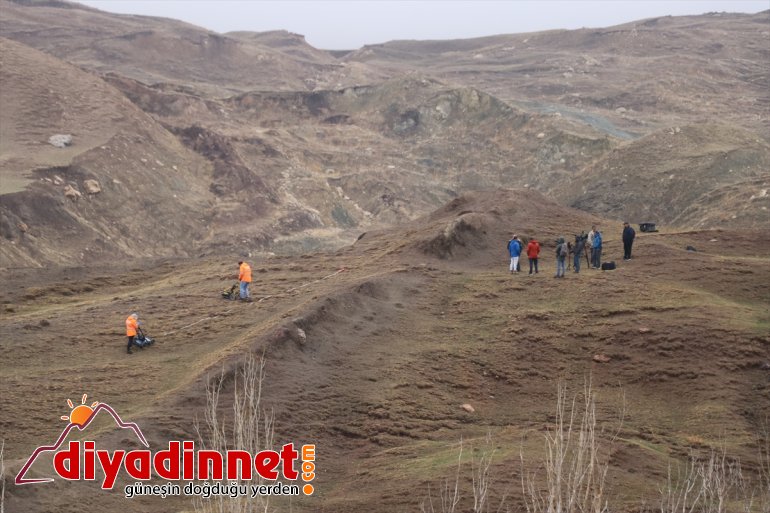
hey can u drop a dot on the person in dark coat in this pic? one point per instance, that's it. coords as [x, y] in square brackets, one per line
[628, 240]
[579, 249]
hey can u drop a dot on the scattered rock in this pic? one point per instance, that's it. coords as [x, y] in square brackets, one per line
[22, 227]
[92, 187]
[644, 330]
[467, 407]
[57, 180]
[690, 248]
[600, 358]
[301, 335]
[713, 240]
[620, 110]
[60, 140]
[541, 135]
[72, 193]
[765, 366]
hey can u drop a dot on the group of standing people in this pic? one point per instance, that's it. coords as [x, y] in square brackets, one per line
[515, 247]
[585, 243]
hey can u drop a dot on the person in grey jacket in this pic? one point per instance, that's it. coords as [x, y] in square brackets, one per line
[561, 256]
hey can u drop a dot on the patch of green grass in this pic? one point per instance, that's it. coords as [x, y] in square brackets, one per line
[440, 458]
[654, 448]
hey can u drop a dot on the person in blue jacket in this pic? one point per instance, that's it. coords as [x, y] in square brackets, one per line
[514, 249]
[597, 263]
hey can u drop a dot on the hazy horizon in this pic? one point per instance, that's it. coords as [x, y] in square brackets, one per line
[347, 25]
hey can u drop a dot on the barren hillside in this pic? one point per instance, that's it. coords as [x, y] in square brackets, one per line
[640, 77]
[699, 175]
[400, 330]
[142, 172]
[299, 150]
[164, 50]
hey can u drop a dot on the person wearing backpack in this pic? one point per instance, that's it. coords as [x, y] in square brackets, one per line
[514, 249]
[533, 250]
[562, 250]
[597, 252]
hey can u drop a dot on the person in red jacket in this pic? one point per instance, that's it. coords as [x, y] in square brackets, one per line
[132, 324]
[533, 250]
[244, 276]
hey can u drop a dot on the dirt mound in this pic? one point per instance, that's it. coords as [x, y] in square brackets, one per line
[474, 229]
[692, 176]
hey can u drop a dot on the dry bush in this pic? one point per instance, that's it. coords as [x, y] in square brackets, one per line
[2, 476]
[575, 469]
[715, 484]
[763, 477]
[449, 493]
[251, 429]
[481, 481]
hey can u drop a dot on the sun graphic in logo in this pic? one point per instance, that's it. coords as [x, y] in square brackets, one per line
[81, 413]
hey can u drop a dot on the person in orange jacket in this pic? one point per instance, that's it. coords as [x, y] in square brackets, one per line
[132, 324]
[244, 276]
[533, 250]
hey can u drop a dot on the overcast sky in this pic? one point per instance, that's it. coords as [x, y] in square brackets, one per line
[354, 23]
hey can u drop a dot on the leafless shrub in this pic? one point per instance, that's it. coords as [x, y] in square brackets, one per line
[575, 471]
[715, 484]
[481, 483]
[481, 478]
[680, 494]
[449, 494]
[2, 476]
[251, 430]
[763, 478]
